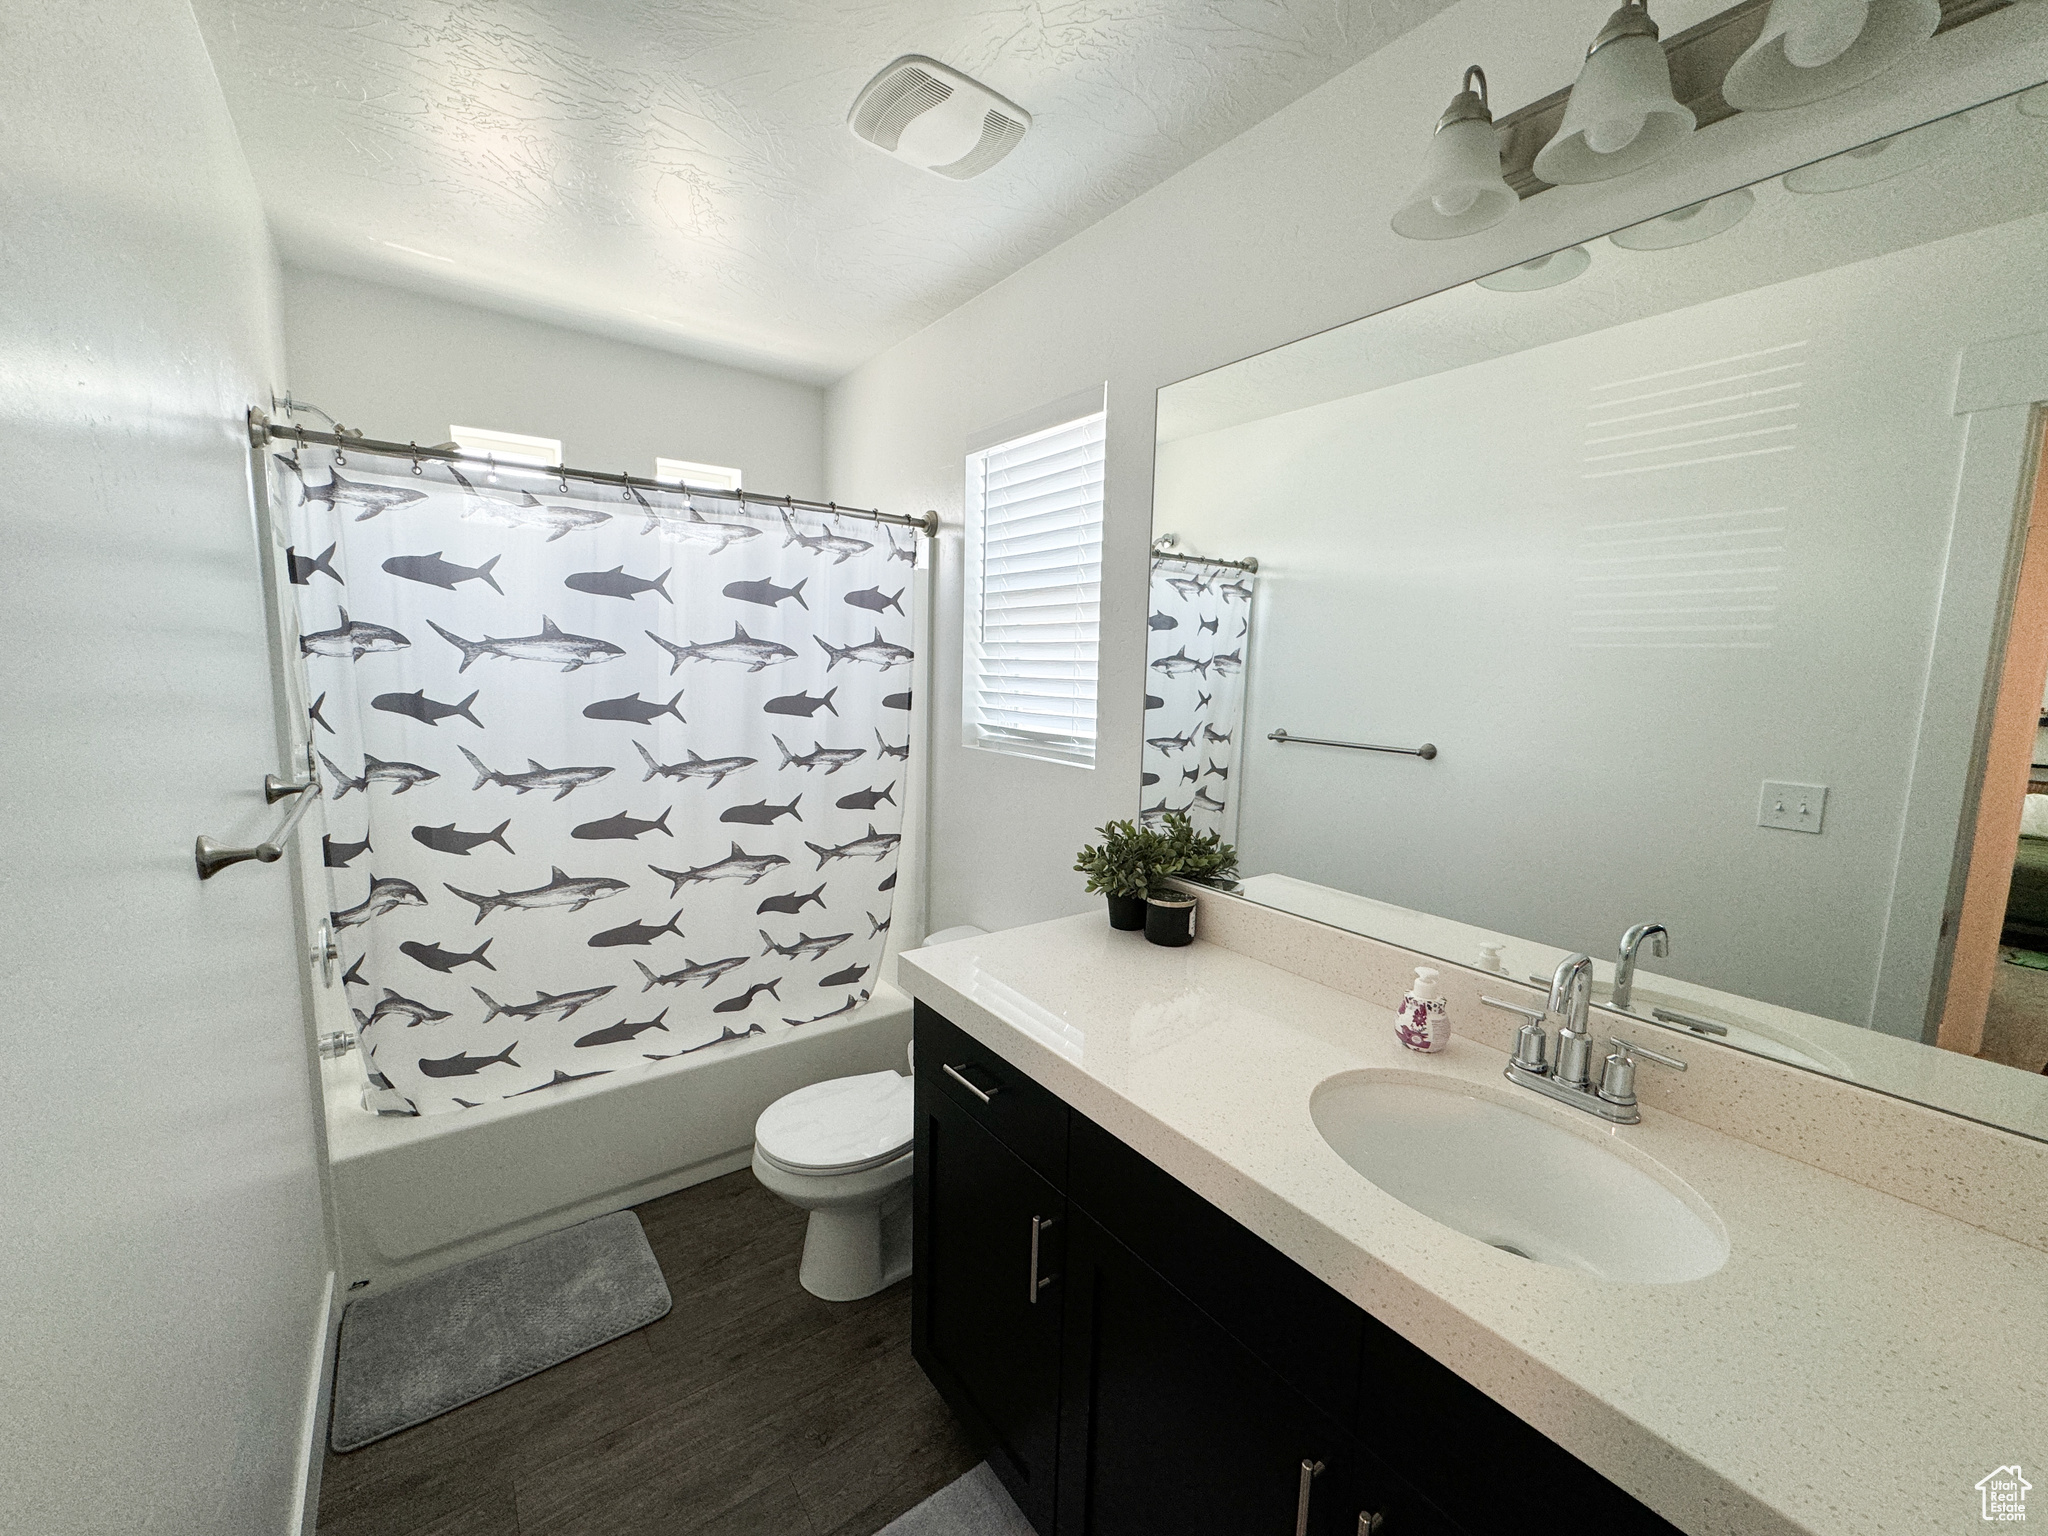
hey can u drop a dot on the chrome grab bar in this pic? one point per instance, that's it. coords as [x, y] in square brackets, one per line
[211, 857]
[1426, 751]
[276, 789]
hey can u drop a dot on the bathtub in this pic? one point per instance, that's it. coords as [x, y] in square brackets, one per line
[413, 1194]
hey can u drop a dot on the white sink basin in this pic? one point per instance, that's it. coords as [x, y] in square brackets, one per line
[1522, 1182]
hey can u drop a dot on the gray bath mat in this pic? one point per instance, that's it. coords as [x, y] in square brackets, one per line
[974, 1505]
[419, 1350]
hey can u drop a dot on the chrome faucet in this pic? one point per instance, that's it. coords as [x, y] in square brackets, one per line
[1571, 992]
[1625, 968]
[1569, 1081]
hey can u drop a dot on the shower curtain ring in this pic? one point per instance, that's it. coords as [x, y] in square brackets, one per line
[564, 479]
[626, 486]
[416, 458]
[340, 458]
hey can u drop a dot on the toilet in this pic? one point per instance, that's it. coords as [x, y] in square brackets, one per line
[840, 1149]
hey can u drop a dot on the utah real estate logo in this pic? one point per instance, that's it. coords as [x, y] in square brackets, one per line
[2005, 1495]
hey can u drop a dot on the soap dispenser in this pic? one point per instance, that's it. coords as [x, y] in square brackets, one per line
[1420, 1021]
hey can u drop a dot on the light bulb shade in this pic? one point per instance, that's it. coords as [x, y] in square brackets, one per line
[1813, 49]
[1462, 189]
[1683, 226]
[1621, 115]
[1880, 161]
[1544, 272]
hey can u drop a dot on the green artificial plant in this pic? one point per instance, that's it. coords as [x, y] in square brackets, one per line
[1138, 860]
[1123, 863]
[1192, 855]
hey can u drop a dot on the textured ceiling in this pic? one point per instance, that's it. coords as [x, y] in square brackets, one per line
[680, 174]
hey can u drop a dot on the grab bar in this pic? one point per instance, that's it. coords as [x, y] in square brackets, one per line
[276, 789]
[1426, 751]
[211, 857]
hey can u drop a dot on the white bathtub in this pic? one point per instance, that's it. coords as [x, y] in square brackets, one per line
[416, 1193]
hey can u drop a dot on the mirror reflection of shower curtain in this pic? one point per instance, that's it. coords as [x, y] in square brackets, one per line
[1198, 641]
[607, 783]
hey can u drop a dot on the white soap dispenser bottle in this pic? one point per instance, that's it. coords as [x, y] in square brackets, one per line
[1421, 1023]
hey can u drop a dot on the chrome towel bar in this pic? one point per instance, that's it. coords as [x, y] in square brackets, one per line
[211, 858]
[1426, 751]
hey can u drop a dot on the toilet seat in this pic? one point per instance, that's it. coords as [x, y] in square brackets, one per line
[845, 1125]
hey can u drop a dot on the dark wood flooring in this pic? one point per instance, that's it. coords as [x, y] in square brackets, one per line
[753, 1407]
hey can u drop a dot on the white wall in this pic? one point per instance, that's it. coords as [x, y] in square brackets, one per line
[1279, 233]
[1446, 560]
[406, 367]
[165, 1267]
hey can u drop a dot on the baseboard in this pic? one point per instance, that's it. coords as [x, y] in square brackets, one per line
[313, 1424]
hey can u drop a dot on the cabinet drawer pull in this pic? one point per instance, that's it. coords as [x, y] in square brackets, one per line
[1310, 1471]
[1039, 1225]
[1370, 1524]
[983, 1094]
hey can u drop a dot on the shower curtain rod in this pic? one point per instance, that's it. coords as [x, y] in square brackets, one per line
[262, 430]
[1249, 564]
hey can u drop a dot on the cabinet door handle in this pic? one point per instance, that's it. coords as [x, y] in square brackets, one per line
[1370, 1524]
[1310, 1471]
[1039, 1225]
[954, 1073]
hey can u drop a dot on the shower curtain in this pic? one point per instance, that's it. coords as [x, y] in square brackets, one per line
[612, 777]
[1199, 636]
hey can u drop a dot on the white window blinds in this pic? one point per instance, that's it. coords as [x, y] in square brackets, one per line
[1034, 589]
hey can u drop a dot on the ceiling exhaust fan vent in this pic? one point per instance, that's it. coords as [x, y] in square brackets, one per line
[937, 118]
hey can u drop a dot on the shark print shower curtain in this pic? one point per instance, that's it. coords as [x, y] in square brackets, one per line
[1200, 624]
[609, 781]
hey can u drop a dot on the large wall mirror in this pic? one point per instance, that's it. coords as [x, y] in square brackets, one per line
[1677, 570]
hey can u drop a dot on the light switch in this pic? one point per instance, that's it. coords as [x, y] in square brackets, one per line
[1792, 807]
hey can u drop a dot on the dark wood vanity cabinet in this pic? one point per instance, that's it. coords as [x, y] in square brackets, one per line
[989, 1231]
[1136, 1363]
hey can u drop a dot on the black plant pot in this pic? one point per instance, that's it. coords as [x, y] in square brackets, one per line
[1127, 912]
[1170, 920]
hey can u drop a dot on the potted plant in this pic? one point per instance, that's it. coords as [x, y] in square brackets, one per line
[1122, 868]
[1191, 855]
[1195, 855]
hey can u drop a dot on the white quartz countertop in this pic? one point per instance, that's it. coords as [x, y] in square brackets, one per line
[1856, 1366]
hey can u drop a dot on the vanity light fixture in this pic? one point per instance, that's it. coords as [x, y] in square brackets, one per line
[1880, 161]
[1813, 49]
[1684, 226]
[1543, 272]
[1462, 190]
[1621, 115]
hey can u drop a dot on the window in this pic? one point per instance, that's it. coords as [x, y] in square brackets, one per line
[710, 477]
[1034, 586]
[507, 447]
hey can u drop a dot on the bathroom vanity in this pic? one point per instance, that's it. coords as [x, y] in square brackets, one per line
[1136, 1361]
[1152, 1280]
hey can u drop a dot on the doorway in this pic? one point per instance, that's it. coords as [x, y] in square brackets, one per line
[1997, 1001]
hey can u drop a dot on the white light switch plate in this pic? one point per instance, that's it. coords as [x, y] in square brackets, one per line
[1792, 807]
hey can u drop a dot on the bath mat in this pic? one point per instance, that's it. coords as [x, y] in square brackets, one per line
[2032, 959]
[973, 1505]
[421, 1349]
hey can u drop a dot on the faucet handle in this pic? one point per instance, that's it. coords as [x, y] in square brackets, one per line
[1529, 1039]
[1618, 1076]
[1629, 1048]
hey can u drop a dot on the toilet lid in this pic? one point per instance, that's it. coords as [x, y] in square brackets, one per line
[840, 1126]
